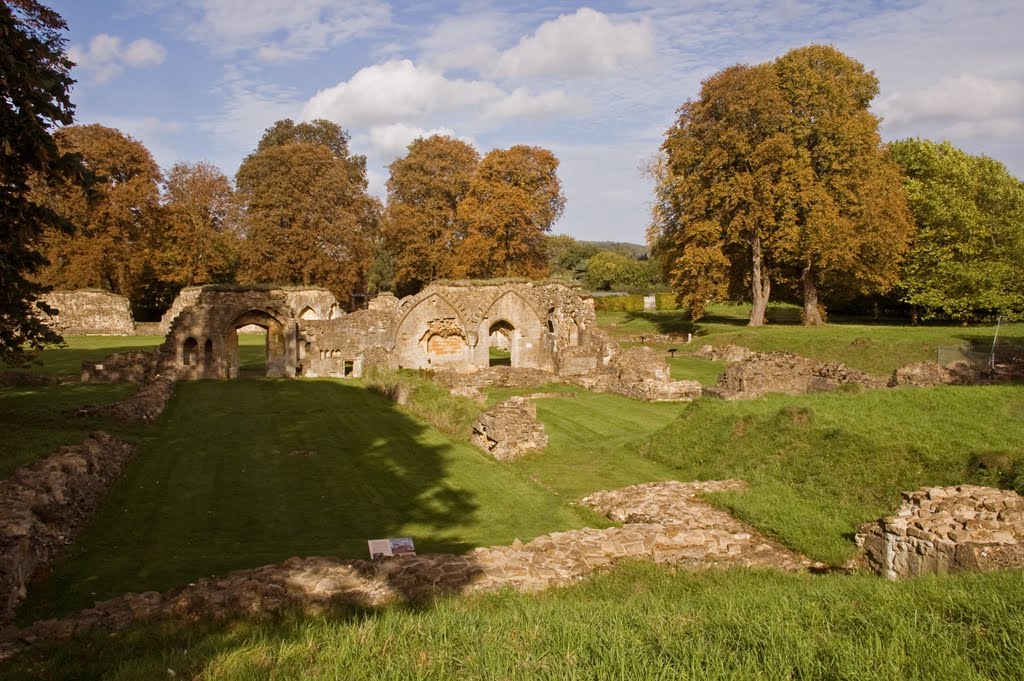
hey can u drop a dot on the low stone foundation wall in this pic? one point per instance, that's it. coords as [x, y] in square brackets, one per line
[928, 374]
[121, 367]
[510, 429]
[676, 528]
[781, 372]
[145, 406]
[44, 505]
[947, 529]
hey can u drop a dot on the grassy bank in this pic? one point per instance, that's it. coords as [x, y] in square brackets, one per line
[875, 348]
[819, 464]
[640, 621]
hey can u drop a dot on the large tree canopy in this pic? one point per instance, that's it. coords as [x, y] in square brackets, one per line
[424, 192]
[777, 173]
[118, 235]
[308, 217]
[513, 200]
[202, 218]
[34, 85]
[968, 256]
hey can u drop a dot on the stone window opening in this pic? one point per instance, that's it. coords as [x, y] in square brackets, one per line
[208, 353]
[190, 352]
[349, 367]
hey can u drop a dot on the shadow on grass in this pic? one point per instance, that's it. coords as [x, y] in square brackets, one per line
[241, 474]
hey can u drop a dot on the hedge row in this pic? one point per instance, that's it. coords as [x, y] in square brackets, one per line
[634, 303]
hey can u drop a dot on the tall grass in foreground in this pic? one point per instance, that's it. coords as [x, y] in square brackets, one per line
[640, 621]
[820, 464]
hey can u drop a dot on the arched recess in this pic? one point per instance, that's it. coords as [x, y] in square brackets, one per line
[190, 351]
[309, 314]
[208, 360]
[432, 332]
[278, 346]
[529, 345]
[502, 344]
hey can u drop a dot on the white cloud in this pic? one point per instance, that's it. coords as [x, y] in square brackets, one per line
[962, 99]
[250, 108]
[465, 41]
[105, 57]
[391, 141]
[520, 103]
[283, 30]
[585, 42]
[401, 91]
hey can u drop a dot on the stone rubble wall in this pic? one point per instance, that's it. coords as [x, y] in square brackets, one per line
[144, 406]
[782, 372]
[90, 313]
[510, 429]
[678, 528]
[43, 505]
[927, 374]
[187, 297]
[121, 367]
[947, 529]
[724, 353]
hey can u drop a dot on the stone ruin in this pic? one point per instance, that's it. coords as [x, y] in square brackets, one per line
[938, 530]
[665, 522]
[89, 313]
[510, 429]
[543, 328]
[781, 372]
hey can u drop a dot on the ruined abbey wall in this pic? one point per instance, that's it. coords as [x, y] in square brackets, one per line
[90, 313]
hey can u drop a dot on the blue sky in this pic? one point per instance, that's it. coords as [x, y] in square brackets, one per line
[597, 84]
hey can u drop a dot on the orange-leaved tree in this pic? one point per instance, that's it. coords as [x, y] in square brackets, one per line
[118, 233]
[420, 225]
[308, 218]
[513, 200]
[202, 219]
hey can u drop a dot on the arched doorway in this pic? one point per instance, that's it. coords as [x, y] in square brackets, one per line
[255, 345]
[502, 344]
[190, 352]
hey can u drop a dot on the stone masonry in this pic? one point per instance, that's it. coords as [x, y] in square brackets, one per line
[90, 313]
[947, 529]
[44, 504]
[665, 522]
[782, 372]
[510, 429]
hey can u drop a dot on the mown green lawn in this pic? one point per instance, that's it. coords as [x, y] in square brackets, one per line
[67, 360]
[639, 621]
[239, 474]
[34, 419]
[874, 348]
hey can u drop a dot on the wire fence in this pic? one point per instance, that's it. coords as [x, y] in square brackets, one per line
[981, 356]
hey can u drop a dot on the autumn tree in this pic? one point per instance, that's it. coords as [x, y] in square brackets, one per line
[118, 233]
[513, 200]
[725, 190]
[777, 173]
[308, 218]
[424, 192]
[854, 222]
[34, 86]
[968, 255]
[202, 223]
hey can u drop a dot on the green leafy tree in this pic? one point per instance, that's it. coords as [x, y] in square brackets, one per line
[308, 218]
[34, 87]
[968, 256]
[568, 257]
[420, 227]
[513, 200]
[609, 269]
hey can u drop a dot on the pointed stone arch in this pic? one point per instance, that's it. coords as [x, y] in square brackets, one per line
[431, 332]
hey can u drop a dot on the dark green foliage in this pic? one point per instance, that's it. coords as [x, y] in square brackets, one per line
[34, 85]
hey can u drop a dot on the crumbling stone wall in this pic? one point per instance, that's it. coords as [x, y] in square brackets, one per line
[781, 372]
[121, 367]
[642, 373]
[90, 313]
[947, 529]
[927, 374]
[346, 346]
[510, 429]
[44, 505]
[665, 522]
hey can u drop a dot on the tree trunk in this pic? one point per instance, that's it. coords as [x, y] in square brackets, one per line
[812, 311]
[760, 285]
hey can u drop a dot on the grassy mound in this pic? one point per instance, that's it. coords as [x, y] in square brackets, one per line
[820, 464]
